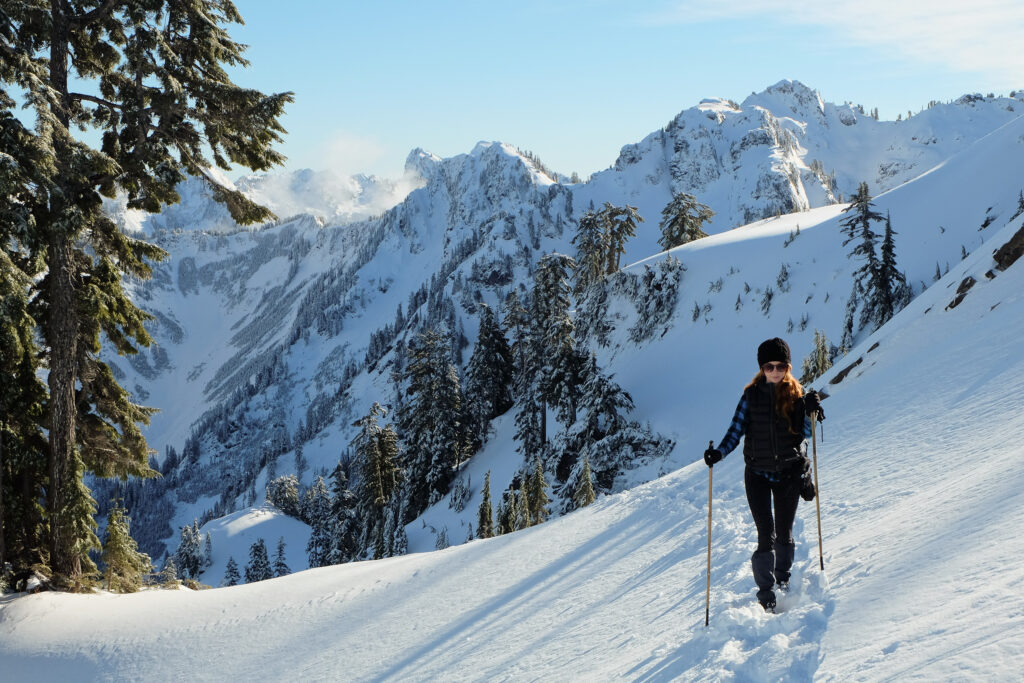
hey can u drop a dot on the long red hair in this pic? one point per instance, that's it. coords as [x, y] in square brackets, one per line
[789, 390]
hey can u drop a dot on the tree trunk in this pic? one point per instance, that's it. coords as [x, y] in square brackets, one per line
[63, 337]
[62, 326]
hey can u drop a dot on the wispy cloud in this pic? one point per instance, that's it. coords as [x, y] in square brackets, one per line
[347, 154]
[982, 35]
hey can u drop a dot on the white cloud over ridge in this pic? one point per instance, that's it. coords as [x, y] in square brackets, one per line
[980, 36]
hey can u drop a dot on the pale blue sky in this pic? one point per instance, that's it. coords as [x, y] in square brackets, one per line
[575, 80]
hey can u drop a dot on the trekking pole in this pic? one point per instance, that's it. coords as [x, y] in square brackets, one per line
[707, 602]
[817, 489]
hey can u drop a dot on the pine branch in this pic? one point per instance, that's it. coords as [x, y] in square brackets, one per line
[84, 20]
[97, 100]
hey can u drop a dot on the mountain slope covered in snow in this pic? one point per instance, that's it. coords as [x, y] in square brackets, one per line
[921, 483]
[277, 339]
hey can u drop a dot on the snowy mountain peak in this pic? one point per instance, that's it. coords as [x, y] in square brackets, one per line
[788, 97]
[421, 163]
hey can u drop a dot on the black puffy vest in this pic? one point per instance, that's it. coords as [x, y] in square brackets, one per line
[768, 444]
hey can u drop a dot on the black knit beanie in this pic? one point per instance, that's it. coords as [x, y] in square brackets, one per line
[776, 350]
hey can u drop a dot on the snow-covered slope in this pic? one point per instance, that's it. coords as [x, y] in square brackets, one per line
[265, 337]
[921, 477]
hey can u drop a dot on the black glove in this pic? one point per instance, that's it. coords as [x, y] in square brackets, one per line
[812, 405]
[807, 489]
[712, 455]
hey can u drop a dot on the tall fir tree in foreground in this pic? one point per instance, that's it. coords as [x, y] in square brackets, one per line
[125, 565]
[149, 81]
[681, 220]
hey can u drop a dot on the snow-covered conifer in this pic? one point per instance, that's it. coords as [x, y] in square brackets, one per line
[258, 568]
[318, 515]
[207, 552]
[344, 524]
[168, 576]
[591, 242]
[485, 516]
[431, 421]
[280, 565]
[189, 556]
[553, 341]
[376, 456]
[584, 493]
[818, 361]
[231, 575]
[536, 493]
[283, 493]
[489, 375]
[681, 220]
[125, 565]
[619, 225]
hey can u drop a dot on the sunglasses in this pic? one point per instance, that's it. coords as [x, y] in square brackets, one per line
[775, 367]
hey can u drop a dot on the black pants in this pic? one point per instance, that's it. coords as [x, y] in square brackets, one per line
[773, 558]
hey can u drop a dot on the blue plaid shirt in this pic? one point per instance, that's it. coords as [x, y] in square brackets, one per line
[740, 422]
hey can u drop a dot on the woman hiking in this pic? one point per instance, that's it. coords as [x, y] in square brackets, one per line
[773, 415]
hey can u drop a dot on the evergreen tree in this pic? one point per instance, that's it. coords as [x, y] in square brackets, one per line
[522, 512]
[584, 493]
[517, 324]
[818, 361]
[431, 421]
[168, 576]
[620, 224]
[485, 518]
[857, 226]
[489, 375]
[283, 493]
[163, 102]
[591, 242]
[536, 494]
[189, 555]
[604, 403]
[125, 565]
[507, 513]
[318, 514]
[344, 523]
[23, 464]
[258, 568]
[231, 575]
[681, 220]
[891, 289]
[376, 454]
[207, 552]
[554, 344]
[280, 565]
